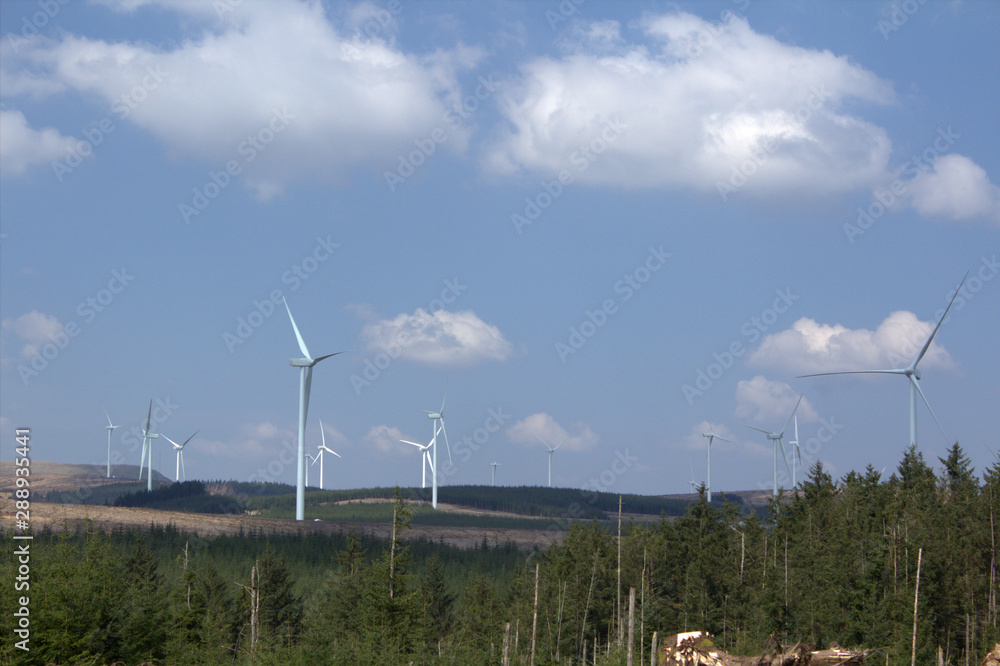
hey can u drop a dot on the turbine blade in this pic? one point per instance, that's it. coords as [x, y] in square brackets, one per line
[789, 421]
[447, 445]
[149, 415]
[170, 440]
[322, 434]
[110, 425]
[766, 432]
[934, 332]
[317, 360]
[298, 336]
[784, 456]
[895, 371]
[305, 397]
[544, 442]
[920, 391]
[562, 442]
[722, 439]
[406, 441]
[190, 438]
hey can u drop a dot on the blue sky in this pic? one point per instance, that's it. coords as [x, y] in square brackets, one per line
[608, 223]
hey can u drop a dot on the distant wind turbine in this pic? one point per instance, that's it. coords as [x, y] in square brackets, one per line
[425, 455]
[147, 449]
[775, 437]
[437, 419]
[910, 372]
[796, 450]
[179, 448]
[708, 456]
[305, 366]
[692, 482]
[493, 472]
[323, 448]
[110, 428]
[552, 449]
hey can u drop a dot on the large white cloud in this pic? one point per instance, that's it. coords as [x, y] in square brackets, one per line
[438, 338]
[22, 146]
[345, 98]
[810, 347]
[702, 99]
[956, 188]
[578, 437]
[770, 403]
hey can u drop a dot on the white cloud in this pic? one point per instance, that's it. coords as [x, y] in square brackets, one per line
[955, 189]
[701, 99]
[386, 439]
[441, 338]
[810, 347]
[770, 403]
[349, 99]
[579, 436]
[22, 147]
[35, 329]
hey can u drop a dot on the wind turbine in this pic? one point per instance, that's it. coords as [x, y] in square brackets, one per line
[305, 366]
[708, 456]
[179, 448]
[322, 449]
[311, 461]
[551, 451]
[776, 438]
[110, 428]
[425, 454]
[493, 472]
[796, 450]
[147, 449]
[911, 372]
[692, 482]
[438, 424]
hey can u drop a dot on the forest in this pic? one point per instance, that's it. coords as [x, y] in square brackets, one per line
[835, 563]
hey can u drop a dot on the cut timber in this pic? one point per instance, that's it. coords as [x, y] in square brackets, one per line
[695, 648]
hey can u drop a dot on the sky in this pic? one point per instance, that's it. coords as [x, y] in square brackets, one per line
[610, 225]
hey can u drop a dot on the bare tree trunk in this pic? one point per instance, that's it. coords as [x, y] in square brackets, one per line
[631, 625]
[652, 650]
[586, 609]
[618, 603]
[254, 608]
[506, 645]
[562, 602]
[916, 601]
[534, 621]
[392, 553]
[642, 612]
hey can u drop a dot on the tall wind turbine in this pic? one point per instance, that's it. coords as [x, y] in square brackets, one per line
[776, 438]
[110, 428]
[179, 448]
[323, 448]
[493, 472]
[437, 419]
[147, 449]
[911, 372]
[552, 449]
[796, 450]
[425, 454]
[305, 366]
[711, 436]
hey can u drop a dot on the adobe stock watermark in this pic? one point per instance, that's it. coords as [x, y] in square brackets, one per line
[87, 310]
[580, 160]
[47, 10]
[375, 365]
[247, 151]
[95, 134]
[469, 445]
[809, 450]
[263, 308]
[898, 17]
[741, 174]
[885, 199]
[626, 287]
[426, 147]
[752, 330]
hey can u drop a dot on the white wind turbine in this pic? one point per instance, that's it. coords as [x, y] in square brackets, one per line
[692, 482]
[551, 449]
[147, 449]
[425, 454]
[493, 472]
[708, 455]
[438, 424]
[179, 448]
[110, 428]
[305, 366]
[776, 438]
[911, 372]
[323, 448]
[796, 450]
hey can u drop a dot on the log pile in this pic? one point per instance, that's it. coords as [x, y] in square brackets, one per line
[695, 648]
[993, 658]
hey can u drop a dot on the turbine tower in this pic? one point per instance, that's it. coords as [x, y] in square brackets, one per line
[796, 450]
[179, 448]
[708, 455]
[425, 454]
[551, 450]
[147, 449]
[110, 428]
[493, 472]
[437, 419]
[910, 372]
[775, 437]
[319, 454]
[305, 366]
